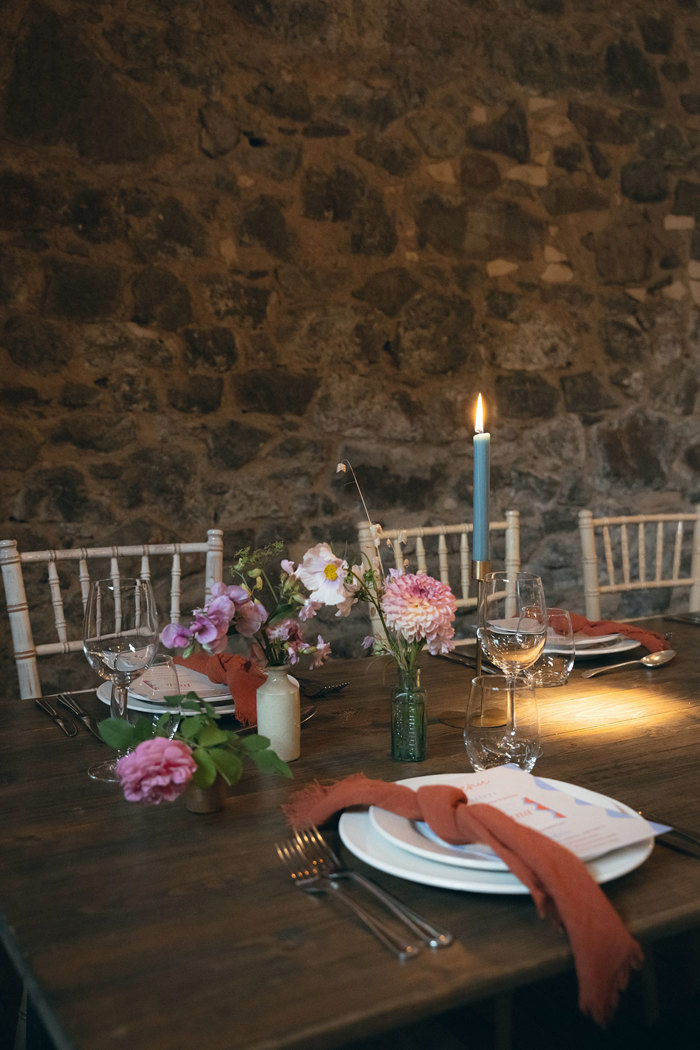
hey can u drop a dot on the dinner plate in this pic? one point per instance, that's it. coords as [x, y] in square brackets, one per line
[365, 842]
[585, 641]
[419, 838]
[133, 703]
[591, 651]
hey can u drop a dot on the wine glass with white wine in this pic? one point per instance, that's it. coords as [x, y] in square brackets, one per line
[512, 627]
[120, 640]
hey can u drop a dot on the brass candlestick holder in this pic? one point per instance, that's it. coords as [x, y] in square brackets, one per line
[479, 571]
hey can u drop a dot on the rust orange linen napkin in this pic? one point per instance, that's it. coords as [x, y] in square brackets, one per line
[241, 676]
[649, 639]
[560, 884]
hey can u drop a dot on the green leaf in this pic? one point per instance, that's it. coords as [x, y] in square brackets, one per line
[211, 735]
[162, 726]
[282, 612]
[118, 733]
[255, 742]
[227, 763]
[143, 730]
[205, 774]
[191, 726]
[270, 762]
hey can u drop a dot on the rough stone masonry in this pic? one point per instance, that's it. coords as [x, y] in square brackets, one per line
[241, 240]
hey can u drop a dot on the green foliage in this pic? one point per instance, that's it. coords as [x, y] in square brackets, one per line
[215, 750]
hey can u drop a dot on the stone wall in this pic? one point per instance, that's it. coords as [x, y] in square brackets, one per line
[243, 239]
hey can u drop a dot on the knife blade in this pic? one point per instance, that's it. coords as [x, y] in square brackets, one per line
[66, 725]
[80, 713]
[467, 661]
[675, 840]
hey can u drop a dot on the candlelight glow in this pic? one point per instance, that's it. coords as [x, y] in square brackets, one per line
[479, 419]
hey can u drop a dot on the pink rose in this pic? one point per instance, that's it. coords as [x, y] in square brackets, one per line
[157, 770]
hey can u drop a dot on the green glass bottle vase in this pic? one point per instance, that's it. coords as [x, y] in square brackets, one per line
[408, 718]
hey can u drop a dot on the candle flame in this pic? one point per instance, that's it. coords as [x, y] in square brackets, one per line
[479, 419]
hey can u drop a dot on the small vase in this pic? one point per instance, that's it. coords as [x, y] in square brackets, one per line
[408, 718]
[278, 709]
[205, 799]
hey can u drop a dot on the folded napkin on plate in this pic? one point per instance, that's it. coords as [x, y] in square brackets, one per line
[561, 885]
[649, 639]
[240, 675]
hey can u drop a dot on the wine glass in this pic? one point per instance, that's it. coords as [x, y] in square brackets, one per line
[489, 738]
[159, 681]
[512, 625]
[120, 639]
[556, 660]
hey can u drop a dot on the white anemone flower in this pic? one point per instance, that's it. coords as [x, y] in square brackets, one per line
[323, 575]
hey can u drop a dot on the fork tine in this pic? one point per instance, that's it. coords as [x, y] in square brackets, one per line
[291, 853]
[293, 857]
[317, 840]
[304, 844]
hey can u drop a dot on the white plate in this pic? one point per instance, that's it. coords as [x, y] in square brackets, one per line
[590, 651]
[362, 839]
[419, 838]
[585, 641]
[156, 683]
[149, 707]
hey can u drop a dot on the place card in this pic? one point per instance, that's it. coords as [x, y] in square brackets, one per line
[586, 828]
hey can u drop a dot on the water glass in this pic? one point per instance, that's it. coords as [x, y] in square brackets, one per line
[158, 681]
[502, 722]
[557, 659]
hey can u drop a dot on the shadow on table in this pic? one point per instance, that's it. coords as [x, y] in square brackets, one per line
[660, 1008]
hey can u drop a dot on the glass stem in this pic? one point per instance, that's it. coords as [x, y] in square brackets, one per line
[510, 705]
[118, 699]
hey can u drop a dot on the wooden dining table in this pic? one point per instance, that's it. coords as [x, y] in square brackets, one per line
[153, 928]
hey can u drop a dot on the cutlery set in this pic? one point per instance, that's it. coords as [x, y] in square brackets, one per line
[67, 723]
[313, 866]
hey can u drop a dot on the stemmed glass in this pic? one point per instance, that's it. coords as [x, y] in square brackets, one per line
[557, 658]
[120, 639]
[512, 626]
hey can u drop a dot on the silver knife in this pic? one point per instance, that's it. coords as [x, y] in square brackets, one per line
[467, 661]
[66, 725]
[74, 707]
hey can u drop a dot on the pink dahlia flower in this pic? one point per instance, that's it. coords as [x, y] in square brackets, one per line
[420, 608]
[157, 770]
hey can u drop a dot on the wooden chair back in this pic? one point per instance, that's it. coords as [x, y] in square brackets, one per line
[443, 551]
[68, 573]
[638, 552]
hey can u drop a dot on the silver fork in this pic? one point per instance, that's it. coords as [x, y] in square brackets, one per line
[303, 875]
[328, 863]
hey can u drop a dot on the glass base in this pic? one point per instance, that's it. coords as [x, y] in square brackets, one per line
[105, 771]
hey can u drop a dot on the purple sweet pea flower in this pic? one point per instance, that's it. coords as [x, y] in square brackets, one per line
[323, 651]
[175, 636]
[250, 616]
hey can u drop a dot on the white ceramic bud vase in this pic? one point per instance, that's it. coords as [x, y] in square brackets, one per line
[278, 713]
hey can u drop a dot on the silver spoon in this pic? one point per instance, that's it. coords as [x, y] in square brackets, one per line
[650, 660]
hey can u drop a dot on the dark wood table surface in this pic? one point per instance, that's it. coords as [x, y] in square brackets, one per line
[151, 928]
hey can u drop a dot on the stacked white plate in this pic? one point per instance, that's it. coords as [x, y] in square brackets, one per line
[410, 849]
[589, 647]
[145, 696]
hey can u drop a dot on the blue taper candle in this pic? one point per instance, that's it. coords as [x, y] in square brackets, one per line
[482, 485]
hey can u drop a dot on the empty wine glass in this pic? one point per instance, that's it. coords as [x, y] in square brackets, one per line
[120, 639]
[158, 685]
[554, 664]
[512, 625]
[492, 737]
[512, 620]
